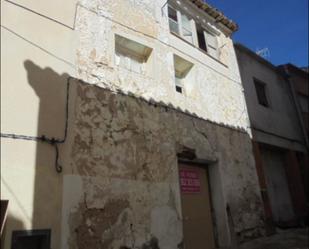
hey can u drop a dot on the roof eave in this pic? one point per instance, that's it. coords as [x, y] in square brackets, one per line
[216, 14]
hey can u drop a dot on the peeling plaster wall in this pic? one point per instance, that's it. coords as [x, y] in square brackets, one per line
[214, 91]
[122, 189]
[119, 187]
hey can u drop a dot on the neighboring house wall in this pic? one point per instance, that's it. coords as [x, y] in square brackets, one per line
[33, 104]
[299, 83]
[299, 80]
[120, 152]
[277, 124]
[277, 136]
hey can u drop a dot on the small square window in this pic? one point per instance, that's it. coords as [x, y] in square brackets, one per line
[179, 89]
[260, 88]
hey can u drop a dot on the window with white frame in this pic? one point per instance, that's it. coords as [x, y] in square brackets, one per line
[173, 20]
[131, 55]
[180, 24]
[182, 69]
[207, 41]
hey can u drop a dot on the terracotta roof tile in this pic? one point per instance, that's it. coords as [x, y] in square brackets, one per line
[216, 14]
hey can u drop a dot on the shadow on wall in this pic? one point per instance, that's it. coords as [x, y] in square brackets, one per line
[50, 87]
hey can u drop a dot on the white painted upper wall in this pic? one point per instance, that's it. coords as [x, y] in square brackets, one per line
[44, 33]
[214, 90]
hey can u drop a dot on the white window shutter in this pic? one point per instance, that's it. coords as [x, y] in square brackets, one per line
[211, 40]
[186, 28]
[212, 44]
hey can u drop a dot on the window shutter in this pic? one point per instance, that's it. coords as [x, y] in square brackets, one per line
[186, 28]
[185, 22]
[211, 40]
[212, 44]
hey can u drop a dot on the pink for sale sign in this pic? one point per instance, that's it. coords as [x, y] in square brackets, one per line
[189, 181]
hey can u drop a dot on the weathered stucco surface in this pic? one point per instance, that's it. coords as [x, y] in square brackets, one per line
[214, 90]
[280, 118]
[119, 187]
[124, 166]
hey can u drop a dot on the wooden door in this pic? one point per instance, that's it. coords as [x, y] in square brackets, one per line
[196, 211]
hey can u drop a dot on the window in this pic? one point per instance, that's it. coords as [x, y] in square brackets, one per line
[180, 24]
[207, 41]
[173, 20]
[182, 68]
[201, 38]
[260, 88]
[31, 239]
[130, 54]
[206, 38]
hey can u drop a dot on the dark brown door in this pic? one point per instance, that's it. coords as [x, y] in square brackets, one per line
[197, 221]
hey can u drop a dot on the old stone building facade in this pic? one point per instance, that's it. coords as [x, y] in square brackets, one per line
[117, 116]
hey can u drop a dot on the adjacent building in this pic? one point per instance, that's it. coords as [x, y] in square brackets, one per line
[299, 82]
[277, 105]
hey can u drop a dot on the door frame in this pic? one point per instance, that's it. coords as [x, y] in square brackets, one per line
[204, 164]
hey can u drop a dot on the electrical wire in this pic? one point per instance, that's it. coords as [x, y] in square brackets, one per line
[51, 141]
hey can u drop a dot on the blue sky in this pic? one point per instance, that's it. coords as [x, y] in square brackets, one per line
[279, 25]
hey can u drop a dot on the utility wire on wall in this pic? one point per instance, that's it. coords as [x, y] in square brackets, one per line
[52, 141]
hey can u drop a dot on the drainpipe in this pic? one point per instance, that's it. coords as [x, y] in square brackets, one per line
[296, 103]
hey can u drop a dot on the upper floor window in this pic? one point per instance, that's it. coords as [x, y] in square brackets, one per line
[182, 70]
[180, 24]
[131, 55]
[260, 88]
[207, 41]
[201, 38]
[183, 26]
[173, 20]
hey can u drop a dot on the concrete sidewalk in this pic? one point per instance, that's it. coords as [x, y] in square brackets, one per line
[284, 239]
